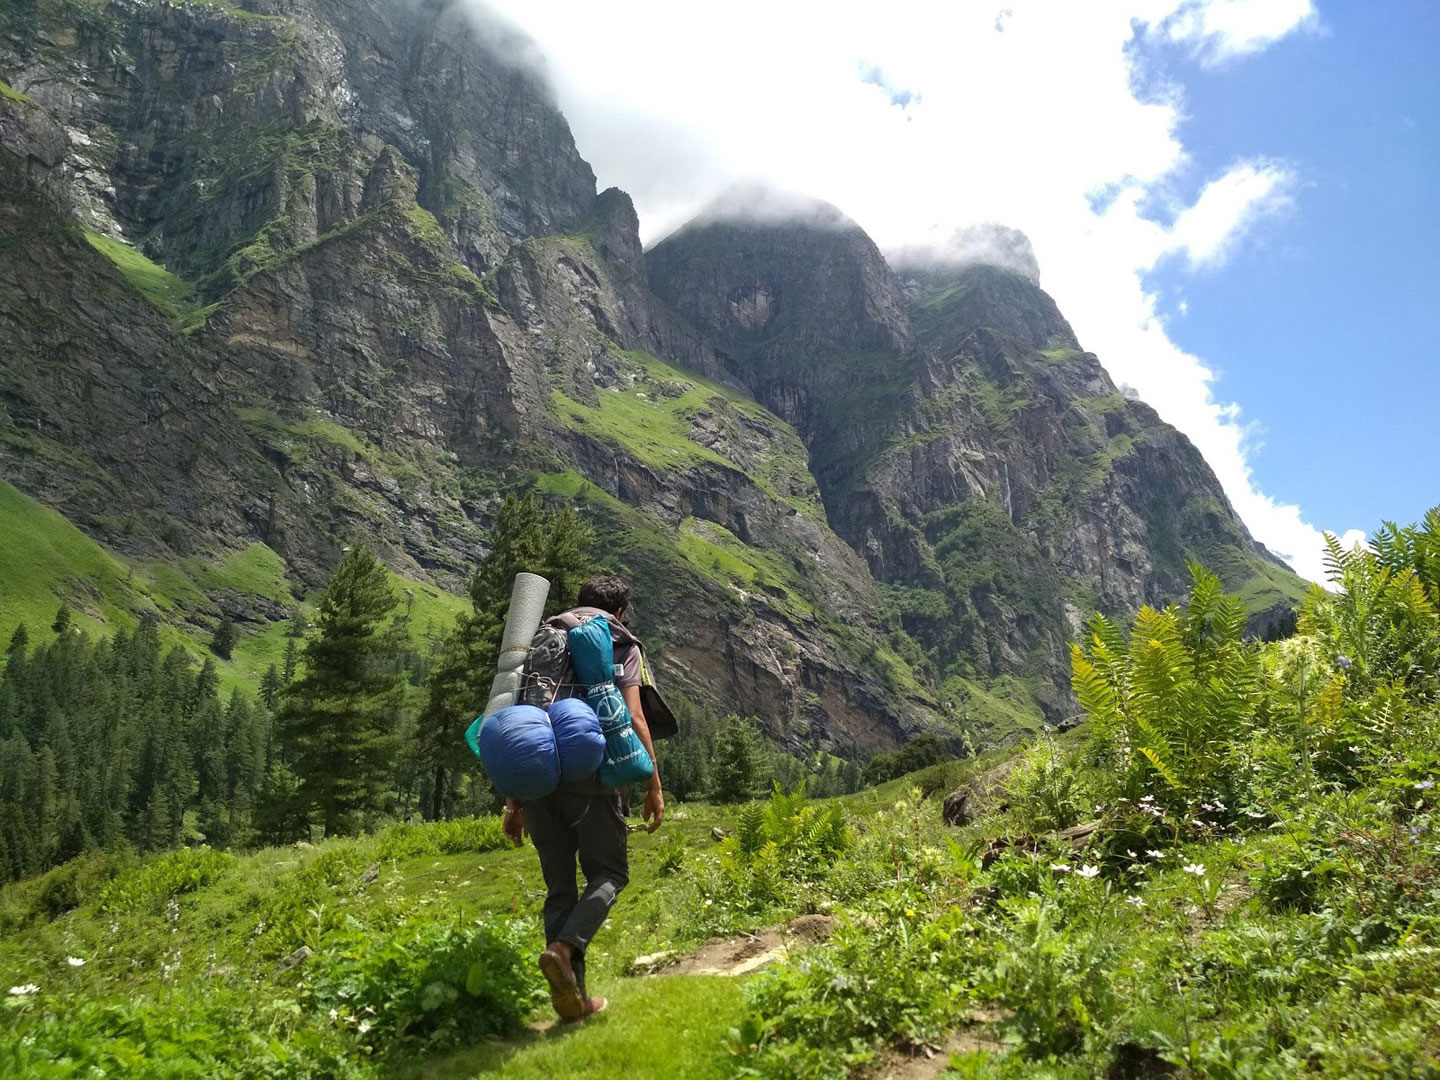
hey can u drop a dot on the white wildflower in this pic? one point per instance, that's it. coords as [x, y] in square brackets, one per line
[364, 1026]
[334, 1014]
[22, 991]
[1354, 749]
[1194, 868]
[1219, 805]
[75, 961]
[1088, 872]
[1135, 901]
[708, 902]
[1154, 854]
[1060, 868]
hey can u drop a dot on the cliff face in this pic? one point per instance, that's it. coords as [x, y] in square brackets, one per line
[987, 468]
[306, 271]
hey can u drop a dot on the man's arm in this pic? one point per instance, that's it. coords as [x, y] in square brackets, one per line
[513, 825]
[654, 811]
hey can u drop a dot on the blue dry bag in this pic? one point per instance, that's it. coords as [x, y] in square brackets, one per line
[592, 654]
[517, 747]
[578, 739]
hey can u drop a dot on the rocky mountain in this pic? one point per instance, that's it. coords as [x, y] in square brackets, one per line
[295, 272]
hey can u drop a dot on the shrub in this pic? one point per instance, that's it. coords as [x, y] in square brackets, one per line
[149, 886]
[433, 982]
[461, 836]
[821, 1017]
[1045, 790]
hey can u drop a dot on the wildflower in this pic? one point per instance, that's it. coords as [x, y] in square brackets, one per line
[1153, 811]
[1088, 872]
[334, 1014]
[840, 982]
[75, 961]
[1344, 662]
[364, 1026]
[1194, 868]
[1197, 821]
[22, 991]
[1353, 749]
[1060, 868]
[708, 902]
[1219, 806]
[1135, 901]
[1254, 813]
[1154, 854]
[1424, 785]
[909, 912]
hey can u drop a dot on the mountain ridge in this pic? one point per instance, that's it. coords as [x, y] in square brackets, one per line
[402, 296]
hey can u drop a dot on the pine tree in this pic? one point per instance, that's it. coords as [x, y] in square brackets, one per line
[338, 724]
[62, 619]
[733, 774]
[222, 644]
[525, 537]
[299, 625]
[288, 675]
[270, 687]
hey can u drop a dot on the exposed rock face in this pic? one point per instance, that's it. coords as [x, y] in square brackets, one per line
[985, 465]
[402, 297]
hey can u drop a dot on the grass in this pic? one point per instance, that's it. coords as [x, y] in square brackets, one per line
[655, 417]
[9, 93]
[655, 1029]
[48, 561]
[167, 292]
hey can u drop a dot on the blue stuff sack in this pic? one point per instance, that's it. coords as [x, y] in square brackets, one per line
[517, 747]
[579, 741]
[592, 654]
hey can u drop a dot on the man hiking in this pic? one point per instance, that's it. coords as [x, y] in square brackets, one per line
[586, 820]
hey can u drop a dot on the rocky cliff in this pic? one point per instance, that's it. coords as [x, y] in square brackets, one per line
[296, 272]
[997, 483]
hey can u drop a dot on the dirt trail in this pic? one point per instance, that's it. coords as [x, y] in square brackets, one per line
[929, 1064]
[739, 955]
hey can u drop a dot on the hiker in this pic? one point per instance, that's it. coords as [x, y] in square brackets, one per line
[586, 820]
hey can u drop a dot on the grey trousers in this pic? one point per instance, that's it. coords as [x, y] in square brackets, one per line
[562, 826]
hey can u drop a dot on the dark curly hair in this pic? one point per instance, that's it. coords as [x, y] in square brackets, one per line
[608, 592]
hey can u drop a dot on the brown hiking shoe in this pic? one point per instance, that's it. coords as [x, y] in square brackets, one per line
[564, 991]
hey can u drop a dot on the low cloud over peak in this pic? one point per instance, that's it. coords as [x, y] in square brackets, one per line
[982, 244]
[1058, 119]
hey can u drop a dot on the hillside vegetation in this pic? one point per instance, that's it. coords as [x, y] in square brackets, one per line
[1233, 870]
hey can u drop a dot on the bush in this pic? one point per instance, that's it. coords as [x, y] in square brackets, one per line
[1045, 790]
[148, 887]
[821, 1017]
[433, 982]
[461, 836]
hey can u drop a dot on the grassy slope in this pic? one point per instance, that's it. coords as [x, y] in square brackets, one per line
[48, 561]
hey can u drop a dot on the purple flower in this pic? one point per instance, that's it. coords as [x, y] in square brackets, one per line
[1424, 785]
[1344, 662]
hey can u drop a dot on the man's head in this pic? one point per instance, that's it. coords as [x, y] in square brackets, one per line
[608, 592]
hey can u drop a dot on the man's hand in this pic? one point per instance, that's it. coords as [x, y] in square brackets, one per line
[514, 824]
[654, 812]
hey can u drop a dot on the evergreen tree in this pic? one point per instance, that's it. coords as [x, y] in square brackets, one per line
[222, 644]
[299, 625]
[270, 687]
[288, 675]
[339, 722]
[62, 619]
[733, 774]
[525, 537]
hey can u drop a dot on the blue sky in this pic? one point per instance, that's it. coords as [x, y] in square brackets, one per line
[1232, 201]
[1322, 326]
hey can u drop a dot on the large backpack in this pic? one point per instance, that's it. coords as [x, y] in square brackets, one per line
[548, 672]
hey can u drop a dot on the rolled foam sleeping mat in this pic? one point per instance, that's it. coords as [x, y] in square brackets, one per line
[527, 608]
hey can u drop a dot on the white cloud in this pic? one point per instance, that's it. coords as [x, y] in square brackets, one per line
[919, 119]
[1221, 30]
[1207, 230]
